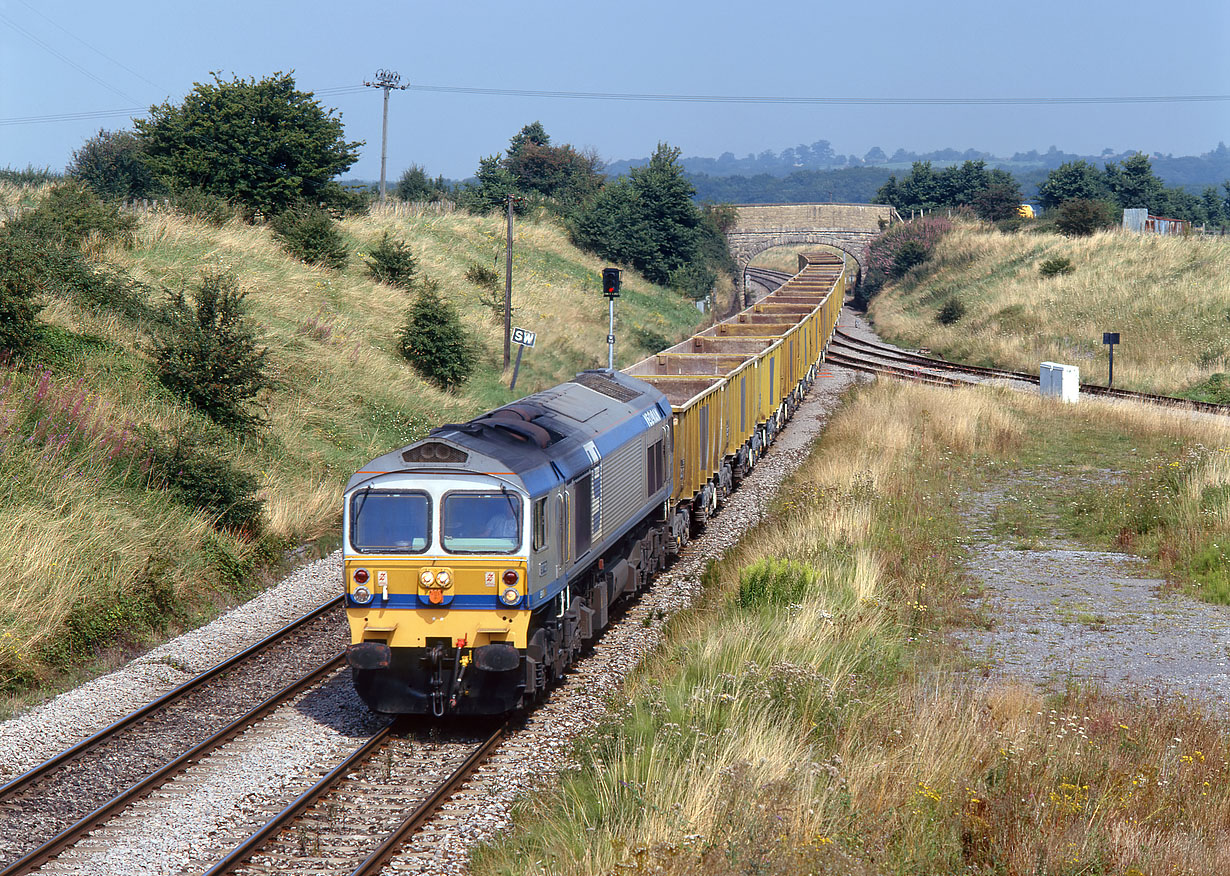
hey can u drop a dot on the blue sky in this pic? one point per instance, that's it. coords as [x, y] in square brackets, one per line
[102, 61]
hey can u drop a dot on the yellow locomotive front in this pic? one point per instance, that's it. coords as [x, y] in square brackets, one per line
[435, 571]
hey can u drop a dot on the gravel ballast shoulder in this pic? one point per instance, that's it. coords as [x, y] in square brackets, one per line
[31, 738]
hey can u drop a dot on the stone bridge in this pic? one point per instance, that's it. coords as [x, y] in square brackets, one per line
[848, 227]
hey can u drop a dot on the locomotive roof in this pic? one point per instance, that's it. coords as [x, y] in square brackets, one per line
[542, 438]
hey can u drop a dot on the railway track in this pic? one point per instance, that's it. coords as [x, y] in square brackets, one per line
[354, 818]
[48, 808]
[767, 279]
[861, 350]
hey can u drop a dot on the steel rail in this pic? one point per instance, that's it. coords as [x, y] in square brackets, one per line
[424, 810]
[300, 805]
[72, 834]
[46, 767]
[845, 361]
[848, 340]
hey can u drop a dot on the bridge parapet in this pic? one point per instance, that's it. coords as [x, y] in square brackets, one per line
[848, 227]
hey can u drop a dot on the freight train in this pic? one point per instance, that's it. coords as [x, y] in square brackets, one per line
[480, 560]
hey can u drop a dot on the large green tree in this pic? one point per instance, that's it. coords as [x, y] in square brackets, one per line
[263, 144]
[559, 176]
[1071, 181]
[646, 219]
[1134, 184]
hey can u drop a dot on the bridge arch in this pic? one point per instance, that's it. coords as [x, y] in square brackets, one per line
[750, 247]
[848, 227]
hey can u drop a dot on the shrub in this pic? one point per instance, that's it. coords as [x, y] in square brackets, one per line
[490, 291]
[203, 481]
[196, 203]
[112, 163]
[311, 235]
[694, 280]
[900, 248]
[774, 582]
[909, 254]
[390, 261]
[1216, 389]
[434, 342]
[951, 312]
[208, 354]
[482, 276]
[1081, 217]
[21, 263]
[1055, 266]
[70, 213]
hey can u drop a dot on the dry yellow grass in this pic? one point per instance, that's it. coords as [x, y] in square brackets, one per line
[342, 395]
[831, 731]
[1166, 296]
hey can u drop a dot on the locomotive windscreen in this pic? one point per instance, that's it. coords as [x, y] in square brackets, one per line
[482, 523]
[387, 521]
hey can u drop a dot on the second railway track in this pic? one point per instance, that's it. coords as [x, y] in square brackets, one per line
[50, 806]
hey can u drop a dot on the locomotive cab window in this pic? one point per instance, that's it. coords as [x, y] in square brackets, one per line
[481, 523]
[387, 521]
[540, 523]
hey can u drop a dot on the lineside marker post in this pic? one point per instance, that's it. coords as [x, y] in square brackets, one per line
[522, 339]
[1110, 339]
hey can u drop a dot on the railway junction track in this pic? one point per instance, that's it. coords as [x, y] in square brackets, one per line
[51, 806]
[865, 355]
[874, 357]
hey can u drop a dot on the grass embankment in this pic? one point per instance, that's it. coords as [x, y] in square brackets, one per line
[1166, 296]
[811, 717]
[91, 557]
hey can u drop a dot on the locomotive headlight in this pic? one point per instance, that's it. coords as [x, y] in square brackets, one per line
[443, 578]
[510, 596]
[427, 577]
[361, 595]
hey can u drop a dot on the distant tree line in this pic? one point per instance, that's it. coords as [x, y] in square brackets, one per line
[992, 193]
[1190, 171]
[1094, 198]
[1132, 183]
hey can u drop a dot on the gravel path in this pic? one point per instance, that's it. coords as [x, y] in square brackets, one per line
[1064, 613]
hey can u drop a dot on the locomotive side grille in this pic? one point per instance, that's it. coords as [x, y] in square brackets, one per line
[606, 386]
[623, 484]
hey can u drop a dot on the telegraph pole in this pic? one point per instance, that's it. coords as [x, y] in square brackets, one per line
[508, 284]
[386, 79]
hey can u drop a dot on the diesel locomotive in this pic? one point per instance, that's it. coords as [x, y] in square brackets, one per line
[480, 560]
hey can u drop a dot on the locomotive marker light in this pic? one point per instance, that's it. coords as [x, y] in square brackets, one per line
[522, 339]
[610, 288]
[1110, 339]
